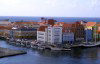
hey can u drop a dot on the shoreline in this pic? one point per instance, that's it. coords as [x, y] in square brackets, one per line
[33, 45]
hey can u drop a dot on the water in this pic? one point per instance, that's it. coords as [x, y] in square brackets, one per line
[76, 56]
[59, 19]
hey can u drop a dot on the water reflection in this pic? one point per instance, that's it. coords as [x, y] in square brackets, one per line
[75, 56]
[78, 53]
[53, 53]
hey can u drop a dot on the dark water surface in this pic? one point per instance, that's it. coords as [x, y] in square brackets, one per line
[76, 56]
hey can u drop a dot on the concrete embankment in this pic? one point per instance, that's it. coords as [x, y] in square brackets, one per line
[5, 52]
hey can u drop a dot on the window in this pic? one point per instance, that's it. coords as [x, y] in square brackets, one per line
[40, 33]
[41, 37]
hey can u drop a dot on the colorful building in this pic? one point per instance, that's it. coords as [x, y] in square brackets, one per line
[90, 31]
[79, 31]
[98, 31]
[25, 33]
[68, 35]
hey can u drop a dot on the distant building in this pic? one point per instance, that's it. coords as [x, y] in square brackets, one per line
[5, 31]
[24, 32]
[4, 23]
[46, 22]
[26, 24]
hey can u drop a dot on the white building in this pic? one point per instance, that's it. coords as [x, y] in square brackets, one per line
[50, 35]
[42, 34]
[54, 35]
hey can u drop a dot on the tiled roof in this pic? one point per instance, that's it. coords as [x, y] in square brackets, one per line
[98, 24]
[5, 28]
[66, 27]
[26, 29]
[41, 23]
[18, 23]
[90, 23]
[42, 28]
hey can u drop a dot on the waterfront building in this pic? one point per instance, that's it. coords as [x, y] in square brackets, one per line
[88, 35]
[24, 32]
[79, 31]
[41, 34]
[90, 25]
[57, 34]
[50, 34]
[54, 34]
[98, 31]
[89, 31]
[68, 35]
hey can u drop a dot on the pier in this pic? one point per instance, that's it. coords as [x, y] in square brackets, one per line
[87, 45]
[5, 52]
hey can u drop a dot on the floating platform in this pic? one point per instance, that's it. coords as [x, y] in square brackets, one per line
[5, 52]
[87, 45]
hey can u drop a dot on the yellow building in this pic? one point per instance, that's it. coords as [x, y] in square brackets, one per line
[90, 25]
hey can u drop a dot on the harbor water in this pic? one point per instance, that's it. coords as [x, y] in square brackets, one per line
[75, 56]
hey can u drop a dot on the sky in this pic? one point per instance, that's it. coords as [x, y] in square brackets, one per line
[51, 8]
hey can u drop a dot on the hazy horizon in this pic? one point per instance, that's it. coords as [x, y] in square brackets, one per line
[50, 16]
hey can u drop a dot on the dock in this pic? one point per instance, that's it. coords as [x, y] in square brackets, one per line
[92, 45]
[5, 52]
[87, 45]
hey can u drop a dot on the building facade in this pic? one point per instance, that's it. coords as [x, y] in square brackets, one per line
[54, 35]
[50, 35]
[90, 30]
[24, 33]
[68, 35]
[79, 31]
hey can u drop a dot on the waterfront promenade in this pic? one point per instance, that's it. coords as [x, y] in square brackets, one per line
[33, 44]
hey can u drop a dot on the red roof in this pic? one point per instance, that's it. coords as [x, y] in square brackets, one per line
[42, 28]
[5, 28]
[98, 24]
[18, 23]
[90, 23]
[67, 27]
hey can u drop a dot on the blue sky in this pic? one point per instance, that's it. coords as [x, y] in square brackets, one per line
[58, 8]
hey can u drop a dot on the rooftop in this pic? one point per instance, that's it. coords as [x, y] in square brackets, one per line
[42, 28]
[90, 23]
